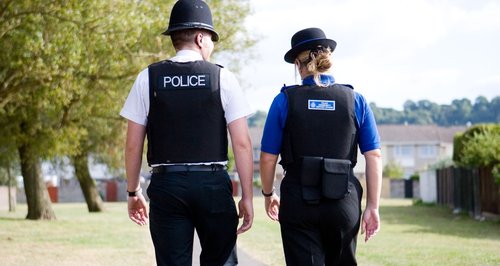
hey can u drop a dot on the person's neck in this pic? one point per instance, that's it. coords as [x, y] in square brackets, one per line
[189, 47]
[304, 74]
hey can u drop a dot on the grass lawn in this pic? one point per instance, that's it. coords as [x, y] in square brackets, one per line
[411, 235]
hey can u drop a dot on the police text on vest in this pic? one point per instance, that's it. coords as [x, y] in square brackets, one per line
[184, 81]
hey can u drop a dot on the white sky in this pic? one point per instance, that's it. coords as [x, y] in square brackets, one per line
[389, 50]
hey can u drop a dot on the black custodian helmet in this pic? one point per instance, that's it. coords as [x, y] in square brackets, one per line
[191, 14]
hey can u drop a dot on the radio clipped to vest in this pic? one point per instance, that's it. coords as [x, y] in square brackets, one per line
[324, 178]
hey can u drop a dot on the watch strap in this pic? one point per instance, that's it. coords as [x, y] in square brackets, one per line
[135, 193]
[267, 194]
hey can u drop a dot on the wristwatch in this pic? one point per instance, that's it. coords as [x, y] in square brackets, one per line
[267, 194]
[135, 193]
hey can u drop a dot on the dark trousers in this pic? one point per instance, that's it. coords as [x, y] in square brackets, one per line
[319, 234]
[183, 201]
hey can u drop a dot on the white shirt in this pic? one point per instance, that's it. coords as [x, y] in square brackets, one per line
[136, 107]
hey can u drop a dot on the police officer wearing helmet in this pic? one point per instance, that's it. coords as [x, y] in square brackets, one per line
[316, 127]
[185, 106]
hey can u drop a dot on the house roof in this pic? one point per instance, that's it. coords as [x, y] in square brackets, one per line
[418, 133]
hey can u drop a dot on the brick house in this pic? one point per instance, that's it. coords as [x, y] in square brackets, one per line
[415, 147]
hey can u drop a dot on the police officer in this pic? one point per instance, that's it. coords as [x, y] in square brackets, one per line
[316, 128]
[184, 106]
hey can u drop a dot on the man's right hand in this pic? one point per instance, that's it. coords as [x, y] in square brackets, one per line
[246, 212]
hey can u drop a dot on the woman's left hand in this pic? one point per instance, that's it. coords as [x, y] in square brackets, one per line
[272, 205]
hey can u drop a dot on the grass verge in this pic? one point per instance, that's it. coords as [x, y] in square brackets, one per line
[410, 235]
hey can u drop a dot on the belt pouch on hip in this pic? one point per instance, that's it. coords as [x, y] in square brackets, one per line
[335, 179]
[310, 179]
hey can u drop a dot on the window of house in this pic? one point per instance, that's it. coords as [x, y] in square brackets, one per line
[403, 150]
[427, 151]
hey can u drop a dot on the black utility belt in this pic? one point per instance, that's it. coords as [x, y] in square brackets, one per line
[187, 168]
[324, 178]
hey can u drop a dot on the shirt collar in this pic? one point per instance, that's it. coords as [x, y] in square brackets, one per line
[186, 56]
[324, 79]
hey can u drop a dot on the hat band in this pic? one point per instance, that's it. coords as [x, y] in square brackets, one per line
[306, 41]
[193, 25]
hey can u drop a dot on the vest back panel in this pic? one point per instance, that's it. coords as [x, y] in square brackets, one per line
[186, 122]
[320, 122]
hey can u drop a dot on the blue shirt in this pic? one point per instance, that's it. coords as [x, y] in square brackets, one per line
[275, 123]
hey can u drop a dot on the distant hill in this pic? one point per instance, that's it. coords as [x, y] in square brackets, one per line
[424, 112]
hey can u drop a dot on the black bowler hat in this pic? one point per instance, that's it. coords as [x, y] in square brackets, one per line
[307, 39]
[191, 14]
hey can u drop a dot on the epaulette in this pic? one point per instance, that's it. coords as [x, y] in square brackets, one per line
[348, 85]
[285, 87]
[159, 62]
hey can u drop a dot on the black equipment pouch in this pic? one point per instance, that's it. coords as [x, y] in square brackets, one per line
[310, 179]
[335, 178]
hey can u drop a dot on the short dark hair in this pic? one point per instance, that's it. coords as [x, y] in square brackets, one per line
[183, 36]
[186, 36]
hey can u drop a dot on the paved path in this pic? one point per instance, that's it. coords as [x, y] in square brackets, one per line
[243, 258]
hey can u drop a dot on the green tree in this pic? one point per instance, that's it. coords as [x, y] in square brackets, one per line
[387, 115]
[410, 106]
[106, 64]
[481, 111]
[418, 113]
[479, 146]
[432, 110]
[460, 112]
[495, 109]
[31, 34]
[8, 157]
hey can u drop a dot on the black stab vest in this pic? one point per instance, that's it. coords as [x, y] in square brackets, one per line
[321, 121]
[186, 122]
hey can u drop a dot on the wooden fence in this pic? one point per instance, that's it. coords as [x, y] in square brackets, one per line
[468, 190]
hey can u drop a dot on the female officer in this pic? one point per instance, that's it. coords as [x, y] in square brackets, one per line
[316, 127]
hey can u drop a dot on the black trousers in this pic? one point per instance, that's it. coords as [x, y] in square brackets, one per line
[183, 201]
[321, 234]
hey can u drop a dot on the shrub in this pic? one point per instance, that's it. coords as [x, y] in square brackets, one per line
[393, 170]
[415, 177]
[479, 146]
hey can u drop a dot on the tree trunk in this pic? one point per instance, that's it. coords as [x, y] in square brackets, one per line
[37, 196]
[88, 185]
[12, 206]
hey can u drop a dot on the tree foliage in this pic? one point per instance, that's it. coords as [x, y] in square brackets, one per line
[479, 146]
[459, 112]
